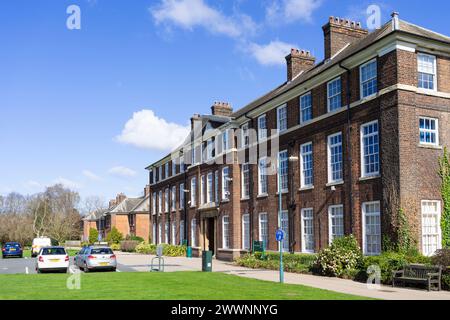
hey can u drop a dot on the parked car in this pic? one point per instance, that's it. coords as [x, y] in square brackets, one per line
[52, 259]
[39, 243]
[12, 249]
[96, 258]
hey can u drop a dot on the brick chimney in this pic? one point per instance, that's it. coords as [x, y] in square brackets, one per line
[120, 197]
[147, 190]
[112, 203]
[222, 109]
[298, 61]
[339, 32]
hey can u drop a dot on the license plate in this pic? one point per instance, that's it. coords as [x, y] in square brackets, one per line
[12, 249]
[54, 260]
[104, 263]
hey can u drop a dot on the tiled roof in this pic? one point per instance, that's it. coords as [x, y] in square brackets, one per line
[142, 206]
[126, 205]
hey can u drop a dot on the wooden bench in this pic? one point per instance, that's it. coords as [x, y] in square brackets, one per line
[429, 275]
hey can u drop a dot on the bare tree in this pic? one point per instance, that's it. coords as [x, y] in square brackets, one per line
[91, 204]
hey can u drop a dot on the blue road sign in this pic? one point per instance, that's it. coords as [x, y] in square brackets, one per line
[280, 235]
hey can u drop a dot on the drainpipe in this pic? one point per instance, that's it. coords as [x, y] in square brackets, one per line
[349, 145]
[292, 205]
[251, 189]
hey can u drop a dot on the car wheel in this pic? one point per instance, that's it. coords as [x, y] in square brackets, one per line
[38, 270]
[113, 269]
[85, 268]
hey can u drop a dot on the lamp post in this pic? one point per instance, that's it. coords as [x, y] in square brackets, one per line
[280, 204]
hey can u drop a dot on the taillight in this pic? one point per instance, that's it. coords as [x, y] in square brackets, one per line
[41, 259]
[113, 256]
[67, 258]
[91, 257]
[3, 249]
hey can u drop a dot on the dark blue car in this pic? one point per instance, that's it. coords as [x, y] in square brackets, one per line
[12, 249]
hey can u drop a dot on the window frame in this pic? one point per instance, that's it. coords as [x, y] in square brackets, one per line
[174, 198]
[364, 229]
[262, 132]
[302, 174]
[193, 192]
[439, 218]
[246, 234]
[364, 174]
[260, 177]
[260, 233]
[336, 95]
[310, 107]
[284, 106]
[302, 230]
[194, 233]
[435, 74]
[225, 186]
[245, 181]
[361, 83]
[330, 225]
[182, 195]
[329, 165]
[436, 131]
[209, 187]
[279, 177]
[226, 243]
[245, 136]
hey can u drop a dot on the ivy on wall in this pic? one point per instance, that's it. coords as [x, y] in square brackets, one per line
[444, 173]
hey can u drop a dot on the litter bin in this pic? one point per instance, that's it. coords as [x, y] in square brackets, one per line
[207, 261]
[189, 252]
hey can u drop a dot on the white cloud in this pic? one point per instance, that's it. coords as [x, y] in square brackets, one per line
[148, 131]
[273, 53]
[188, 14]
[287, 11]
[91, 176]
[123, 172]
[67, 183]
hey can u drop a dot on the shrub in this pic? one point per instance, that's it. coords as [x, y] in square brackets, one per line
[168, 250]
[114, 236]
[128, 245]
[341, 258]
[297, 263]
[93, 235]
[441, 258]
[389, 262]
[115, 246]
[134, 238]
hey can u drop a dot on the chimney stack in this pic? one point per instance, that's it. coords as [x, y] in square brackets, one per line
[340, 32]
[223, 109]
[147, 190]
[298, 61]
[112, 203]
[120, 197]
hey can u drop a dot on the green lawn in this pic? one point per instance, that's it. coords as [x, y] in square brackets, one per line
[27, 252]
[157, 286]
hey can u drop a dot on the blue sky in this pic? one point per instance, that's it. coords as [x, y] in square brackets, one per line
[91, 108]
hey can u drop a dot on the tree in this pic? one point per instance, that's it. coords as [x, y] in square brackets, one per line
[92, 204]
[114, 236]
[93, 235]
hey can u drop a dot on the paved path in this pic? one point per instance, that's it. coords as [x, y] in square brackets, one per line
[142, 263]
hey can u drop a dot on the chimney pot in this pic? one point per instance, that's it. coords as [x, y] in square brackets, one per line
[298, 61]
[221, 109]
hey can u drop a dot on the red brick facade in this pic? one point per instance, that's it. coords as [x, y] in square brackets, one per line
[407, 172]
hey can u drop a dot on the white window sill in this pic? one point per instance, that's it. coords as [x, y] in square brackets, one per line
[333, 184]
[430, 146]
[225, 200]
[370, 177]
[245, 199]
[368, 98]
[306, 188]
[283, 192]
[193, 207]
[262, 195]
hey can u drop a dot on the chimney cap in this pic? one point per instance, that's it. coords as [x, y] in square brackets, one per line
[297, 53]
[345, 23]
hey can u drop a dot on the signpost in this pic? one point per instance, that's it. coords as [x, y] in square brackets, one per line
[280, 237]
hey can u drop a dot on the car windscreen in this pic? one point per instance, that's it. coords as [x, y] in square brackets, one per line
[15, 245]
[53, 252]
[101, 251]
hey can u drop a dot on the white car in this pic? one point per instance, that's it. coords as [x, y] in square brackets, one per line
[39, 243]
[52, 259]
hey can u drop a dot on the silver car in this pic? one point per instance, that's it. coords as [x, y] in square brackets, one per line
[96, 258]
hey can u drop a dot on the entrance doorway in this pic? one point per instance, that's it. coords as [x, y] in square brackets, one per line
[210, 234]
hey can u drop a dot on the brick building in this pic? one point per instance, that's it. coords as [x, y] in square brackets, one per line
[129, 215]
[358, 135]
